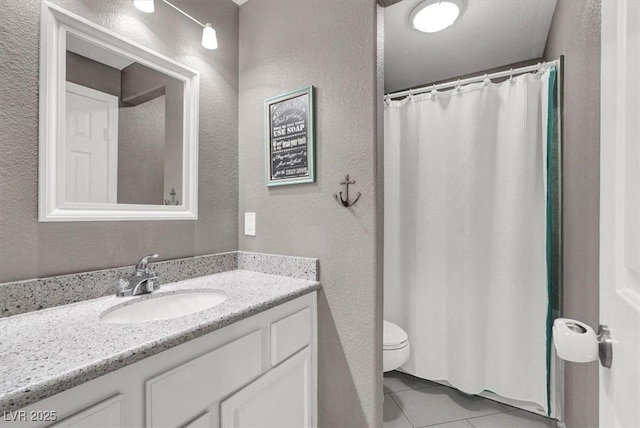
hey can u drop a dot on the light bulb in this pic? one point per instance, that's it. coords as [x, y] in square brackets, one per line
[436, 16]
[146, 6]
[209, 39]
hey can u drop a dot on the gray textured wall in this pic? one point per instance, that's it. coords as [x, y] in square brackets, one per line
[139, 84]
[575, 32]
[141, 157]
[30, 249]
[331, 44]
[87, 72]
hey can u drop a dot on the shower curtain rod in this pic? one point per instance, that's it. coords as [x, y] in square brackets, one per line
[477, 78]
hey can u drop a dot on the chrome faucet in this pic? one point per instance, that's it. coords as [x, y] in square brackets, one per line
[142, 281]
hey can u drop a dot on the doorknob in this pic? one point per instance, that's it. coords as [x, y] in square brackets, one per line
[605, 346]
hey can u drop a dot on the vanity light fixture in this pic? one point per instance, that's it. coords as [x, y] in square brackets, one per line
[431, 16]
[209, 38]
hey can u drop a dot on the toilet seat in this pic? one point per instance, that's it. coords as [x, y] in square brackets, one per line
[393, 337]
[395, 346]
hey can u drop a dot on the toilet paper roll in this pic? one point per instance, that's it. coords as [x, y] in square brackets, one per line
[575, 341]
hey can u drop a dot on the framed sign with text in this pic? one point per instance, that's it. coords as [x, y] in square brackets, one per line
[289, 146]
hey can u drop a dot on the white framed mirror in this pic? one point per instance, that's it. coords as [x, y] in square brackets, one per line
[118, 126]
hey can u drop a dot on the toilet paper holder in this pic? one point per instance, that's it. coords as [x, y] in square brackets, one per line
[577, 342]
[574, 326]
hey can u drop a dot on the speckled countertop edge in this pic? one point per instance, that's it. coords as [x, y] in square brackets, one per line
[40, 355]
[23, 296]
[19, 297]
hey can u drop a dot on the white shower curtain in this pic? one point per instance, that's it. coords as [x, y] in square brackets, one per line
[465, 234]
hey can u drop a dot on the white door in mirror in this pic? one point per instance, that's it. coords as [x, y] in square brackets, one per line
[91, 147]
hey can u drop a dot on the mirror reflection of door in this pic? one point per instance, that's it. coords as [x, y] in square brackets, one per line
[124, 129]
[91, 149]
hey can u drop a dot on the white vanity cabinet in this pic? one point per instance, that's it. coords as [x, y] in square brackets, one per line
[183, 393]
[260, 371]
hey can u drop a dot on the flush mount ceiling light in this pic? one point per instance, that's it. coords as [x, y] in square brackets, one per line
[147, 6]
[430, 16]
[209, 38]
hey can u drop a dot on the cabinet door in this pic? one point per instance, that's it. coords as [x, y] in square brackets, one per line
[105, 414]
[180, 394]
[278, 399]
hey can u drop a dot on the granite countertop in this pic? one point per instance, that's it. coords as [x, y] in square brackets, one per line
[49, 351]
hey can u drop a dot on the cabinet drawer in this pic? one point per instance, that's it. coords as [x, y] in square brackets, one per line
[105, 414]
[177, 396]
[289, 335]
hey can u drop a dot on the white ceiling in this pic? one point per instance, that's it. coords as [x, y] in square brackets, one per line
[489, 34]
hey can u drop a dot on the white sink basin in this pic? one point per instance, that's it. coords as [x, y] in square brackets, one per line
[164, 307]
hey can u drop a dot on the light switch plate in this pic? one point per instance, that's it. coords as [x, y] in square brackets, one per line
[250, 224]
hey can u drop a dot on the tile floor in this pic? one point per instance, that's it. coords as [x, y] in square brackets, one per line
[410, 402]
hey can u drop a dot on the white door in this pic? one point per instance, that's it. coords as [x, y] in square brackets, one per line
[91, 145]
[620, 211]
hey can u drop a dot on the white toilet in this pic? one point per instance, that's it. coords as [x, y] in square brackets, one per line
[395, 351]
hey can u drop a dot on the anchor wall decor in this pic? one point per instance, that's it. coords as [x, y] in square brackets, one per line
[173, 200]
[345, 201]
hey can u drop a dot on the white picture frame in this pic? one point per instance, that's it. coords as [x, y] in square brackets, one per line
[56, 23]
